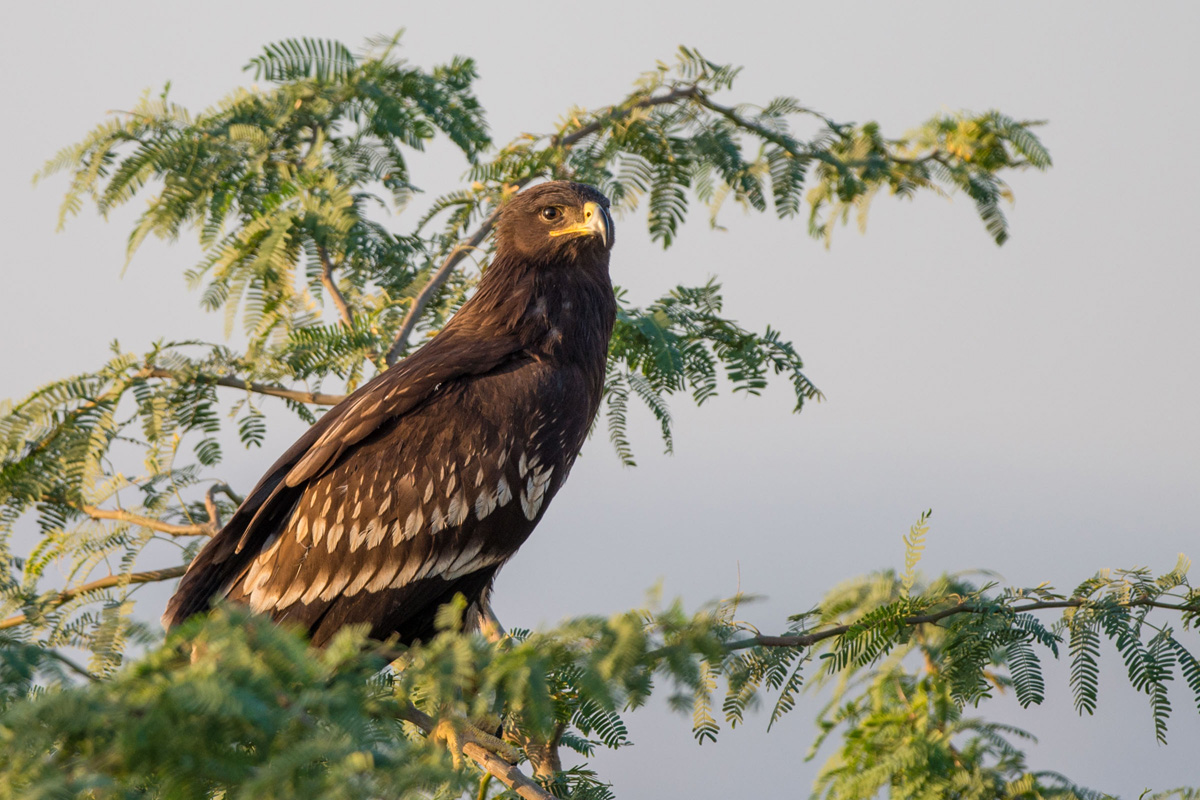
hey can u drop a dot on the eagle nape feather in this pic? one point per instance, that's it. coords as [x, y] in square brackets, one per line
[421, 484]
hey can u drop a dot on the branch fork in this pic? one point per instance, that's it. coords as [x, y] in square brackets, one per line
[497, 758]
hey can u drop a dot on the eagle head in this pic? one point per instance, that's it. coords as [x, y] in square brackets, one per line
[557, 221]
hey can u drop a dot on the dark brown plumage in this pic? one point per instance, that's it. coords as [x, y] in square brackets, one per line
[422, 483]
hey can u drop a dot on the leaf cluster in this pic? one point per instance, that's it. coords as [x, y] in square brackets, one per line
[300, 192]
[233, 704]
[230, 707]
[682, 343]
[278, 181]
[905, 661]
[293, 188]
[137, 437]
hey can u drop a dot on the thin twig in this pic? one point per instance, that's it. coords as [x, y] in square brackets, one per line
[272, 390]
[330, 286]
[783, 140]
[618, 113]
[809, 639]
[119, 386]
[66, 595]
[210, 504]
[78, 669]
[483, 786]
[206, 529]
[421, 301]
[799, 150]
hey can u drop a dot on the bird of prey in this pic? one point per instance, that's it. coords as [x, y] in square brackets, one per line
[423, 482]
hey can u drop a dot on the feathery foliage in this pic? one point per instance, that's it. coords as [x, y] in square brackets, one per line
[233, 707]
[299, 192]
[285, 184]
[232, 704]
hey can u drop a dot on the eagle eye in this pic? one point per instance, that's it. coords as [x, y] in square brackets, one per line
[551, 213]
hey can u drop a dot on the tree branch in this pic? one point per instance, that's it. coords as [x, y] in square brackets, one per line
[783, 140]
[451, 262]
[505, 772]
[798, 150]
[545, 756]
[149, 522]
[482, 749]
[618, 113]
[210, 503]
[119, 386]
[566, 141]
[809, 639]
[115, 391]
[327, 281]
[272, 390]
[66, 595]
[71, 665]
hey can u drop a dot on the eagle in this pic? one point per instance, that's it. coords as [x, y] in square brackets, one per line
[421, 484]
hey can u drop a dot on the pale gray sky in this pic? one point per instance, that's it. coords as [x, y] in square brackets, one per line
[1040, 397]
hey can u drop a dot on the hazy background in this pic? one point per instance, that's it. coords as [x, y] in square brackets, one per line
[1040, 397]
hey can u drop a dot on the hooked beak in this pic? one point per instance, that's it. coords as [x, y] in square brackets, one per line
[596, 222]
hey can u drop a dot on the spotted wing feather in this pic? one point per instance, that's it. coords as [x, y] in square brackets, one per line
[261, 518]
[430, 505]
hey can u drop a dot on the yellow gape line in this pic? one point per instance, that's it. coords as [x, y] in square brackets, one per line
[595, 223]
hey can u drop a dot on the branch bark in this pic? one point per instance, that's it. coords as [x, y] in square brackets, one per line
[786, 142]
[798, 149]
[451, 262]
[330, 286]
[207, 529]
[66, 595]
[618, 113]
[482, 749]
[210, 503]
[506, 773]
[545, 755]
[269, 389]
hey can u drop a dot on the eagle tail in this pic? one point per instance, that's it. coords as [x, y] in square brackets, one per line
[225, 559]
